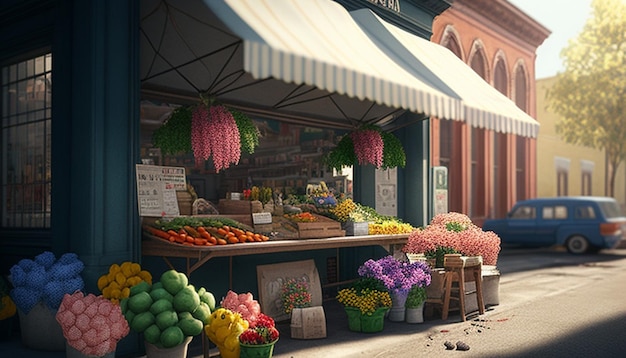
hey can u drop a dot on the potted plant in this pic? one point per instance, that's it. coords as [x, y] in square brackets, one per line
[38, 289]
[366, 301]
[168, 313]
[92, 325]
[259, 339]
[415, 304]
[398, 277]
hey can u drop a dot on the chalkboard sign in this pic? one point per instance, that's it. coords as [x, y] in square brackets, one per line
[156, 189]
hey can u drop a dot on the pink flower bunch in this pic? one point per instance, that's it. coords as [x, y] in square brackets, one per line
[454, 232]
[91, 324]
[214, 133]
[368, 147]
[244, 304]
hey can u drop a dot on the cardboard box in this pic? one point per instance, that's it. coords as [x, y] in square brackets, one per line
[308, 323]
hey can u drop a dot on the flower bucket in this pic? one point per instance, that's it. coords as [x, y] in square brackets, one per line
[396, 313]
[41, 319]
[71, 352]
[358, 322]
[415, 315]
[256, 350]
[179, 351]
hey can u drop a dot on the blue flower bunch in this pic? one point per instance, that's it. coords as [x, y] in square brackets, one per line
[45, 279]
[397, 276]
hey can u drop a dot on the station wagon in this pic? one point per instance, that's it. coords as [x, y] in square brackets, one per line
[581, 224]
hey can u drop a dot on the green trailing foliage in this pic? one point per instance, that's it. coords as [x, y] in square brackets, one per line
[174, 136]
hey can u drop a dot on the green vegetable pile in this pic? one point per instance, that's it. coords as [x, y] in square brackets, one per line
[169, 310]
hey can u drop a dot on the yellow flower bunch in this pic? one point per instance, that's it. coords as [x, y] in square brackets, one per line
[366, 300]
[390, 227]
[343, 210]
[117, 283]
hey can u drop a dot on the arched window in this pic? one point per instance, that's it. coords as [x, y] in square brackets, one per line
[478, 64]
[500, 78]
[521, 89]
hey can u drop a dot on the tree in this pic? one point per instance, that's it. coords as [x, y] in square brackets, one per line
[590, 95]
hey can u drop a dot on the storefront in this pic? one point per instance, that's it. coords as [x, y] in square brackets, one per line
[310, 64]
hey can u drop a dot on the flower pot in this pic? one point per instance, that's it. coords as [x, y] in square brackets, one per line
[256, 350]
[415, 315]
[179, 351]
[356, 228]
[358, 322]
[71, 352]
[41, 319]
[396, 313]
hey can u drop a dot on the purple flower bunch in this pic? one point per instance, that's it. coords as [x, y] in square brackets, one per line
[397, 276]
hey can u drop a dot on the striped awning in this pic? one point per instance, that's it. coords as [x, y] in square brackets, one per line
[483, 105]
[309, 60]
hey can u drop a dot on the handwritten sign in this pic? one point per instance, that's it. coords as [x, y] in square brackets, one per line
[156, 189]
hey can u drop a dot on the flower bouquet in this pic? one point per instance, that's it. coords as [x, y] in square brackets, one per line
[366, 301]
[259, 339]
[295, 294]
[397, 276]
[38, 289]
[91, 324]
[452, 233]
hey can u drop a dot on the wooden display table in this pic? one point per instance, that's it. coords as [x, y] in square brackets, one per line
[198, 256]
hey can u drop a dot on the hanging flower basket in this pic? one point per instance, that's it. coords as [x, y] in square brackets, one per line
[367, 145]
[208, 130]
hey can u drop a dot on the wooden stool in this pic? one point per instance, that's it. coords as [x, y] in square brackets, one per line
[460, 271]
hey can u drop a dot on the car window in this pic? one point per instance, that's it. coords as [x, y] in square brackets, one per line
[523, 212]
[584, 212]
[554, 212]
[611, 209]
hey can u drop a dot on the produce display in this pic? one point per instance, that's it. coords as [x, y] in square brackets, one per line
[203, 231]
[169, 310]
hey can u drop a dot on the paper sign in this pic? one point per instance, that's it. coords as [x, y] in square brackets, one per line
[156, 189]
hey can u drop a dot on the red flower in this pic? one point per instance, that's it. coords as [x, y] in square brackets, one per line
[262, 331]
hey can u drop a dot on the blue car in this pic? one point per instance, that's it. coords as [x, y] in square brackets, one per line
[581, 224]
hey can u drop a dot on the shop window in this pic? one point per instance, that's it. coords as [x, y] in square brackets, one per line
[26, 143]
[586, 183]
[561, 183]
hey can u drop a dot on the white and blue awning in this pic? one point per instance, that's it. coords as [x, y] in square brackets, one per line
[306, 60]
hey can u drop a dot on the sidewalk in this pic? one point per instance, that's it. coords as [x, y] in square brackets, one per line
[574, 311]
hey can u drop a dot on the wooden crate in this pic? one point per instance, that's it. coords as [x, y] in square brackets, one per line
[322, 228]
[236, 207]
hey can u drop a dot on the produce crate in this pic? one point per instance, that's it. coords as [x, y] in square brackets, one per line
[308, 323]
[235, 207]
[322, 228]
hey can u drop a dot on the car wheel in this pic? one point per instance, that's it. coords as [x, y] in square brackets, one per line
[577, 245]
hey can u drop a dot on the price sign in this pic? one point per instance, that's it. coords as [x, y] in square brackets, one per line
[156, 189]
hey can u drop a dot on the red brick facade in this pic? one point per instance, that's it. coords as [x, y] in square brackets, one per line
[489, 171]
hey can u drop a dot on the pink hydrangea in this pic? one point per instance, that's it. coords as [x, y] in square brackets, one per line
[244, 304]
[91, 324]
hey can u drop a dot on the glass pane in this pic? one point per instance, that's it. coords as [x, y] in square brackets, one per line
[26, 144]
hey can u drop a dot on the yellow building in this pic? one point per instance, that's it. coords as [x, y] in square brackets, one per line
[567, 170]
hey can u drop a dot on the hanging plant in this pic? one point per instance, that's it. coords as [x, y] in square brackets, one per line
[248, 132]
[367, 145]
[342, 155]
[214, 133]
[393, 153]
[173, 136]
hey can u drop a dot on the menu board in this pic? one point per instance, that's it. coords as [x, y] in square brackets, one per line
[156, 189]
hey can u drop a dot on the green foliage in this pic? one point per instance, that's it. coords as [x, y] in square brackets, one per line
[343, 154]
[393, 152]
[417, 295]
[174, 136]
[368, 283]
[248, 132]
[590, 95]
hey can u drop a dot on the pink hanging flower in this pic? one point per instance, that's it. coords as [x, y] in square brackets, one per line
[214, 133]
[368, 147]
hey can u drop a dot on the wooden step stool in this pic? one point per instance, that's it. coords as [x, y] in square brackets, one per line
[458, 271]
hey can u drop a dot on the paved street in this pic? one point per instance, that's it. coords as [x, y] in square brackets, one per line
[552, 304]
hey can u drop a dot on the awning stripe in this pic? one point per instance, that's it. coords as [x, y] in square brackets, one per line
[484, 106]
[311, 38]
